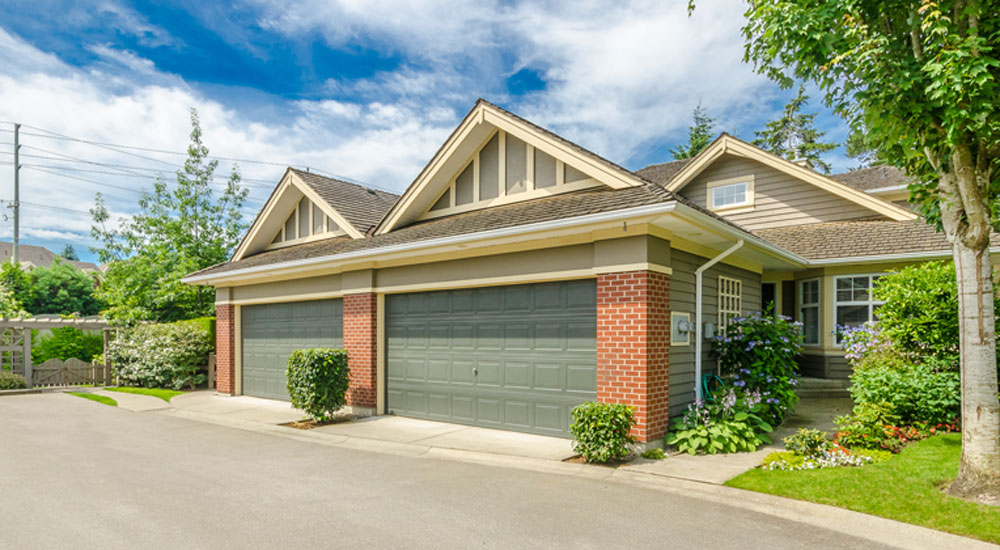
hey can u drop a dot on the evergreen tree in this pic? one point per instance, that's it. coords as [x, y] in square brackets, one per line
[794, 135]
[699, 135]
[69, 253]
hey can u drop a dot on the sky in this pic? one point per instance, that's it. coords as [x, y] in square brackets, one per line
[360, 89]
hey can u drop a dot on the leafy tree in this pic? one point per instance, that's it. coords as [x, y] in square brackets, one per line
[69, 253]
[794, 136]
[924, 79]
[860, 148]
[16, 281]
[699, 135]
[179, 229]
[62, 289]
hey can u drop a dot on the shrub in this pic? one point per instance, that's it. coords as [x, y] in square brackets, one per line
[11, 381]
[171, 355]
[866, 346]
[726, 424]
[654, 454]
[66, 342]
[757, 354]
[917, 393]
[808, 443]
[870, 426]
[318, 379]
[602, 431]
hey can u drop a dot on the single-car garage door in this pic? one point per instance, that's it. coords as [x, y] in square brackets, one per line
[272, 331]
[514, 357]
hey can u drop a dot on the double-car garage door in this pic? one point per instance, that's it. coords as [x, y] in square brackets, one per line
[514, 357]
[272, 331]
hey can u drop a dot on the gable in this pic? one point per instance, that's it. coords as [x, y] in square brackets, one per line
[447, 174]
[294, 213]
[775, 198]
[807, 194]
[506, 169]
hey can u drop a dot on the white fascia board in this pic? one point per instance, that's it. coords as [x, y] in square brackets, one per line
[736, 234]
[652, 209]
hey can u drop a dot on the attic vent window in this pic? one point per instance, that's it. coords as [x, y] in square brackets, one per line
[733, 193]
[304, 223]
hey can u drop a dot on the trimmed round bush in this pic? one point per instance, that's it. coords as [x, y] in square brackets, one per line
[318, 379]
[602, 431]
[11, 381]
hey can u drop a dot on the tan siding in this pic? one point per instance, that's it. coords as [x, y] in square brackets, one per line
[682, 294]
[779, 199]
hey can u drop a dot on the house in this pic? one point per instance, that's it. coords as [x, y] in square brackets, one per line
[520, 275]
[31, 256]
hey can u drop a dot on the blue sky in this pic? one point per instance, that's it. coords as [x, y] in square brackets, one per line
[362, 89]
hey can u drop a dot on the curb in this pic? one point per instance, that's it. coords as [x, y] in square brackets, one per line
[19, 392]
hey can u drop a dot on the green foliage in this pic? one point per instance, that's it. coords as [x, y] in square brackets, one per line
[318, 379]
[179, 229]
[69, 253]
[62, 289]
[158, 393]
[171, 355]
[654, 454]
[727, 423]
[875, 455]
[859, 147]
[794, 136]
[15, 279]
[11, 381]
[66, 342]
[757, 356]
[808, 442]
[869, 427]
[917, 393]
[789, 459]
[102, 399]
[699, 135]
[602, 431]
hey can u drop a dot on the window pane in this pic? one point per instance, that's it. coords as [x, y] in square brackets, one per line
[545, 170]
[810, 324]
[516, 172]
[463, 186]
[810, 292]
[277, 238]
[443, 202]
[290, 227]
[318, 218]
[304, 208]
[852, 316]
[331, 225]
[489, 169]
[572, 174]
[725, 195]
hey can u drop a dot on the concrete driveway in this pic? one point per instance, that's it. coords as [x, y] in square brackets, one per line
[77, 474]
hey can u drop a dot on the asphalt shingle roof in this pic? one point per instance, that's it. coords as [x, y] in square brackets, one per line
[663, 173]
[876, 177]
[362, 206]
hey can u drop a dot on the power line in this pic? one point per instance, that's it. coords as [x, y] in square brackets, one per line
[95, 182]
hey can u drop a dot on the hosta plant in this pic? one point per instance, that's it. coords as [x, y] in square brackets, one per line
[726, 424]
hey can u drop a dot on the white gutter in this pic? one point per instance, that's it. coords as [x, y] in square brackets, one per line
[659, 208]
[698, 306]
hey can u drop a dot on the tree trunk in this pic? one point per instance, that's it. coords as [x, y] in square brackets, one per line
[979, 472]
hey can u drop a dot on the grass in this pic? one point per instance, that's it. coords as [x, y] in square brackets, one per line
[163, 394]
[906, 488]
[94, 397]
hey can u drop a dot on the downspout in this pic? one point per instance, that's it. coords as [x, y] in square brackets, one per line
[698, 328]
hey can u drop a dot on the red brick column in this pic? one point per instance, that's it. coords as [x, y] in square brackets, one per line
[225, 348]
[633, 347]
[361, 343]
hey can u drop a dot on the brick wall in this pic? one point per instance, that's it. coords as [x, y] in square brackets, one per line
[225, 348]
[360, 326]
[633, 347]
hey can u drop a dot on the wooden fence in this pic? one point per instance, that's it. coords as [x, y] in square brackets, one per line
[71, 372]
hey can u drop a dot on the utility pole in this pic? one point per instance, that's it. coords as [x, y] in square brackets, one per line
[17, 190]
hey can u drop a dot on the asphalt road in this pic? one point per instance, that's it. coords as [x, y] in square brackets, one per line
[78, 474]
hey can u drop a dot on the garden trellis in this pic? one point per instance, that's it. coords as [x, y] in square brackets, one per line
[15, 352]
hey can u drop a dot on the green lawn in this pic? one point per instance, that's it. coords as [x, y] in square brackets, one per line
[906, 488]
[94, 397]
[163, 394]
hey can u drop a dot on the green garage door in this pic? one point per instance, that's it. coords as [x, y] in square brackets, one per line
[515, 357]
[272, 331]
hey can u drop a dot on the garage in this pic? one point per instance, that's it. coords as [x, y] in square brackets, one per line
[512, 357]
[270, 333]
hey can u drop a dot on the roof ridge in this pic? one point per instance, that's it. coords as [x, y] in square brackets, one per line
[366, 187]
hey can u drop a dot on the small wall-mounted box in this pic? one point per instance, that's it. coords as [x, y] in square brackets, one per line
[681, 328]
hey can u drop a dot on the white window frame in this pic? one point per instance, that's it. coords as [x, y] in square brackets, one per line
[870, 302]
[730, 304]
[811, 305]
[746, 205]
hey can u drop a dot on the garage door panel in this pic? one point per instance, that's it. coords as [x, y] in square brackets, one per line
[270, 332]
[518, 357]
